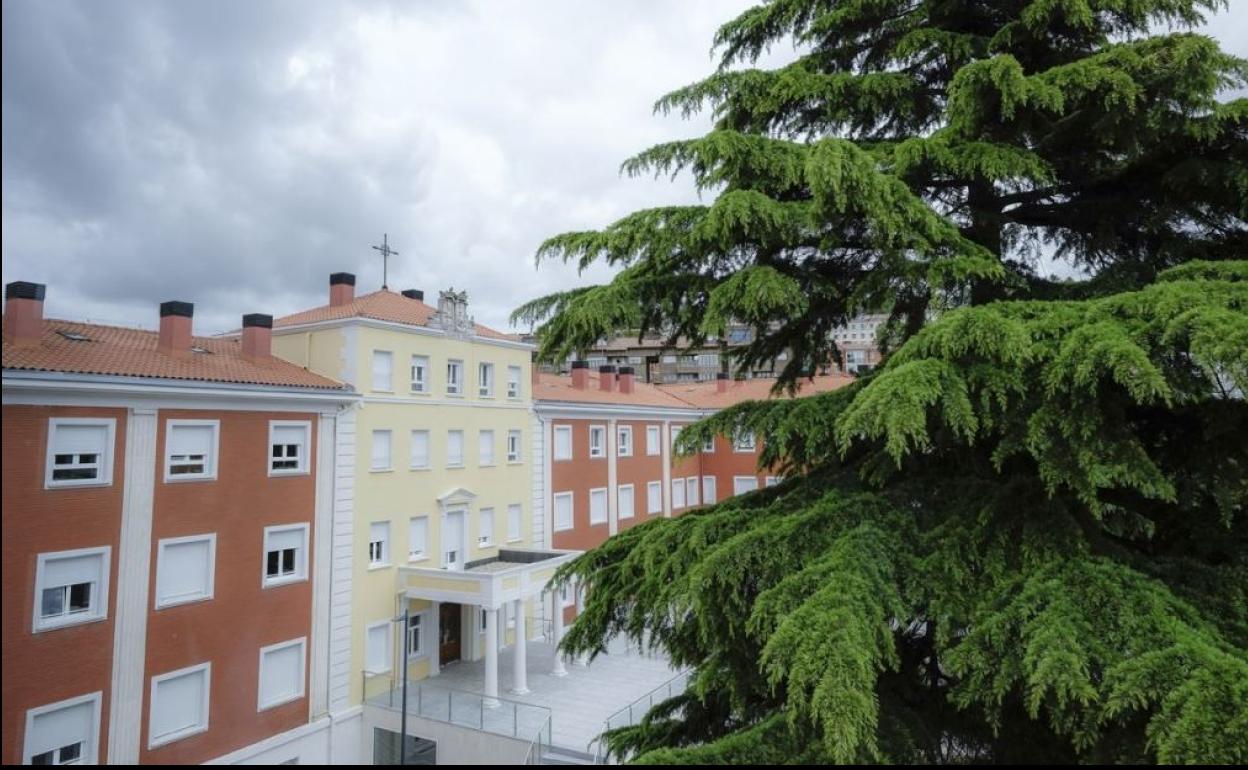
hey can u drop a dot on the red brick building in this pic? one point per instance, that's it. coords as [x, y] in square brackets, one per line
[166, 501]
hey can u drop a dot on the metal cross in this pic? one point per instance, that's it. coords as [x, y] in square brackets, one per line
[386, 253]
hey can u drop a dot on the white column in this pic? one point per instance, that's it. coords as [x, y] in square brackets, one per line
[557, 602]
[322, 564]
[613, 491]
[491, 657]
[583, 658]
[435, 635]
[520, 660]
[665, 456]
[131, 588]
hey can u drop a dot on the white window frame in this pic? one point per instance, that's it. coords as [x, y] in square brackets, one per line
[302, 644]
[372, 453]
[485, 379]
[305, 447]
[301, 557]
[606, 506]
[623, 447]
[675, 435]
[388, 357]
[419, 365]
[692, 491]
[105, 465]
[91, 750]
[710, 494]
[770, 481]
[455, 383]
[736, 484]
[567, 431]
[162, 546]
[678, 484]
[411, 448]
[424, 552]
[632, 496]
[708, 446]
[485, 535]
[600, 430]
[567, 596]
[516, 510]
[654, 440]
[484, 460]
[450, 459]
[210, 462]
[423, 634]
[516, 457]
[389, 637]
[741, 445]
[554, 510]
[650, 489]
[385, 545]
[99, 602]
[153, 707]
[514, 376]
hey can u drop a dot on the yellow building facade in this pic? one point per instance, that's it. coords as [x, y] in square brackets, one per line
[441, 515]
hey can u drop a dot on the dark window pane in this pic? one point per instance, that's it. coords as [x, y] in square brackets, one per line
[53, 603]
[271, 565]
[64, 459]
[42, 759]
[72, 474]
[288, 561]
[70, 753]
[80, 597]
[277, 450]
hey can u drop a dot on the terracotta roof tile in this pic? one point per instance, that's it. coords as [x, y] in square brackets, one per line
[706, 395]
[125, 352]
[383, 305]
[556, 387]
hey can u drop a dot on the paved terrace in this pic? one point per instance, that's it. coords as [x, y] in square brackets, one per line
[581, 701]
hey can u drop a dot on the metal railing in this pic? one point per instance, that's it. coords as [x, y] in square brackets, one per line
[539, 745]
[633, 712]
[499, 716]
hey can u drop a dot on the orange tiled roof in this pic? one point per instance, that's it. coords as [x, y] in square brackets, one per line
[383, 305]
[557, 387]
[125, 352]
[706, 395]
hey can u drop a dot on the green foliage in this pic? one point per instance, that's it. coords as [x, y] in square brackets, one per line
[1023, 538]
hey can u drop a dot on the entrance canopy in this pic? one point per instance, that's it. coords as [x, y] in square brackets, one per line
[490, 583]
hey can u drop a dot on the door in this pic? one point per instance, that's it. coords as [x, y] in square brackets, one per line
[449, 624]
[453, 541]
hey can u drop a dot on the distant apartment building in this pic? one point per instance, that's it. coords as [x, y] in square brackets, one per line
[167, 526]
[606, 460]
[859, 344]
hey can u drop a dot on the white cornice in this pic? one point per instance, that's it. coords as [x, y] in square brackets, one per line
[581, 410]
[400, 327]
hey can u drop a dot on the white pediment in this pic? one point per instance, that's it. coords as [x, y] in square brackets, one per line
[456, 496]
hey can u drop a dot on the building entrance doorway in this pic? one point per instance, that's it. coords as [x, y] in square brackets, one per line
[449, 624]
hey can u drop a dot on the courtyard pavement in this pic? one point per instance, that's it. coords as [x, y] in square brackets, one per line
[580, 702]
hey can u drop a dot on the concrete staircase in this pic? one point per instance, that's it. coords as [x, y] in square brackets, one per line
[561, 756]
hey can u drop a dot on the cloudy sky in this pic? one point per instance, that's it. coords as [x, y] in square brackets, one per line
[233, 154]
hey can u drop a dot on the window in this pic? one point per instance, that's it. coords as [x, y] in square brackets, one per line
[513, 522]
[708, 446]
[281, 673]
[624, 497]
[485, 447]
[744, 442]
[383, 371]
[71, 587]
[743, 484]
[567, 597]
[485, 380]
[563, 511]
[676, 429]
[454, 448]
[185, 569]
[708, 489]
[485, 536]
[415, 635]
[691, 487]
[377, 647]
[379, 544]
[771, 481]
[420, 449]
[513, 382]
[563, 442]
[454, 377]
[597, 441]
[678, 493]
[654, 497]
[381, 450]
[289, 445]
[513, 446]
[624, 441]
[418, 538]
[654, 443]
[178, 706]
[80, 452]
[598, 506]
[191, 449]
[64, 733]
[420, 374]
[285, 554]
